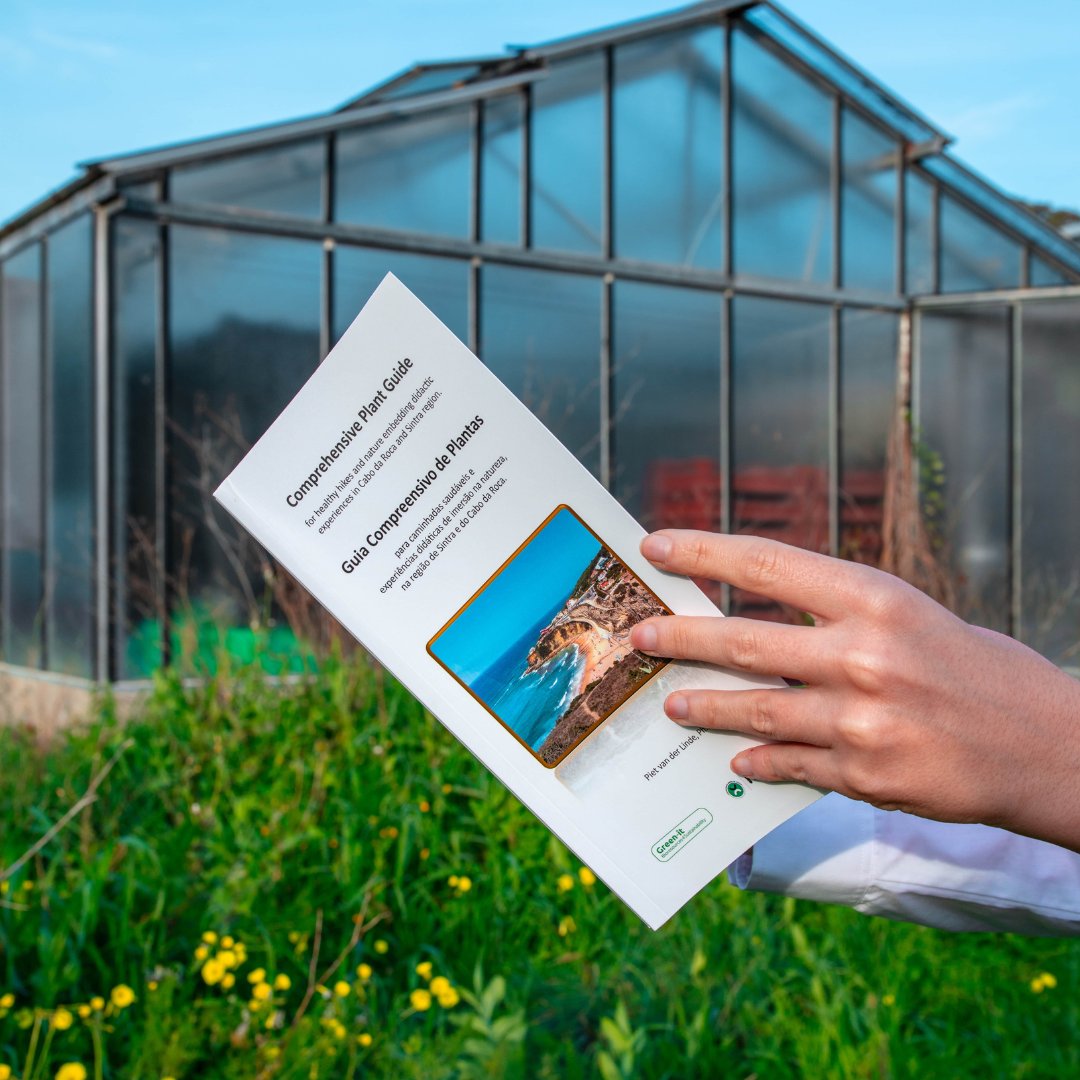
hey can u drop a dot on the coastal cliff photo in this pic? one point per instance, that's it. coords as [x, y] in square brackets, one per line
[544, 646]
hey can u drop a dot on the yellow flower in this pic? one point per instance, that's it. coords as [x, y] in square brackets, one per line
[5, 1070]
[27, 886]
[421, 1000]
[888, 999]
[364, 972]
[4, 886]
[449, 998]
[1048, 980]
[210, 937]
[257, 976]
[566, 926]
[151, 985]
[294, 936]
[72, 1070]
[7, 1001]
[97, 1003]
[227, 958]
[282, 982]
[452, 881]
[262, 991]
[228, 982]
[464, 884]
[254, 1005]
[424, 969]
[342, 988]
[122, 996]
[364, 1039]
[213, 972]
[586, 877]
[425, 806]
[447, 788]
[201, 953]
[439, 985]
[565, 883]
[272, 1052]
[425, 853]
[84, 1011]
[381, 947]
[227, 942]
[62, 1019]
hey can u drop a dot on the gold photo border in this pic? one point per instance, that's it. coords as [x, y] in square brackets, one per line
[506, 562]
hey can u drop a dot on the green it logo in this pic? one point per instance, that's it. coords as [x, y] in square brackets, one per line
[735, 789]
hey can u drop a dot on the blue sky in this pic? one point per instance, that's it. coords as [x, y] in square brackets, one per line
[539, 578]
[80, 79]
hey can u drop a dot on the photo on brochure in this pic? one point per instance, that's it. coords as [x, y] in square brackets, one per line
[544, 644]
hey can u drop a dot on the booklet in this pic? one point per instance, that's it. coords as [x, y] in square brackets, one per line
[468, 550]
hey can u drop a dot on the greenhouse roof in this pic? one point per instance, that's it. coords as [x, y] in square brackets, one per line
[431, 84]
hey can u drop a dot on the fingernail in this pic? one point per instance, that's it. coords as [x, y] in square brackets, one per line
[656, 548]
[644, 637]
[677, 707]
[743, 765]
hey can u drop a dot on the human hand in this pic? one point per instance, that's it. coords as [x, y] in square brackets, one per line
[905, 705]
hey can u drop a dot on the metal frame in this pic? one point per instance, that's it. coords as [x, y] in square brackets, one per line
[100, 192]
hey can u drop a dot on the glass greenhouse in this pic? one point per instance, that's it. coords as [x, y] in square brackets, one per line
[704, 248]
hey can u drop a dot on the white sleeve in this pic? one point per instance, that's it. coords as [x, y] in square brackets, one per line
[957, 877]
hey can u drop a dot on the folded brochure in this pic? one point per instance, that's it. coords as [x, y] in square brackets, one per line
[467, 549]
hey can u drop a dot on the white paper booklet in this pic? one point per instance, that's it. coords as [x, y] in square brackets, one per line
[465, 547]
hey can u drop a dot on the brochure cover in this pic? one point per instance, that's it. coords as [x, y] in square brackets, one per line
[447, 529]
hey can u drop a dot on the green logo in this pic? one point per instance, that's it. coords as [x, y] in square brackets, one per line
[735, 789]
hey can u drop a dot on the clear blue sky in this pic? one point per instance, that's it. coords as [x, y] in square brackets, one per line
[540, 578]
[81, 79]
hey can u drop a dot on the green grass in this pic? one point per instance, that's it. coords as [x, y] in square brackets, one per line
[259, 812]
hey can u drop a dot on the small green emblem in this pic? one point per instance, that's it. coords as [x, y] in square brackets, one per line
[735, 789]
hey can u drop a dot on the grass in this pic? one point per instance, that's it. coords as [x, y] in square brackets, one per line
[313, 823]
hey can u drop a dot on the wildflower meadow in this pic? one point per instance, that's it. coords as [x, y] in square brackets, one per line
[314, 880]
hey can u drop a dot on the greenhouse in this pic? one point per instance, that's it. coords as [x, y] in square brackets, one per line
[719, 260]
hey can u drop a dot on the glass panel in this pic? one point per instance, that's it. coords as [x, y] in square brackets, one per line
[282, 180]
[244, 337]
[780, 452]
[21, 459]
[442, 284]
[138, 573]
[1042, 273]
[540, 333]
[430, 80]
[666, 374]
[568, 155]
[781, 168]
[868, 205]
[844, 75]
[867, 406]
[918, 233]
[411, 174]
[668, 146]
[500, 188]
[974, 255]
[69, 622]
[1050, 511]
[963, 425]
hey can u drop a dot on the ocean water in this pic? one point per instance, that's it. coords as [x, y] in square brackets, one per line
[530, 702]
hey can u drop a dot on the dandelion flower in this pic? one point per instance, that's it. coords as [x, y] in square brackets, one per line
[439, 985]
[257, 976]
[1048, 980]
[364, 1039]
[464, 884]
[449, 998]
[228, 982]
[71, 1070]
[424, 969]
[4, 886]
[151, 985]
[425, 806]
[282, 982]
[586, 877]
[7, 1001]
[566, 926]
[425, 854]
[227, 942]
[294, 936]
[420, 1000]
[122, 996]
[382, 947]
[888, 999]
[565, 883]
[62, 1019]
[97, 1003]
[364, 972]
[227, 958]
[254, 1005]
[342, 988]
[213, 972]
[84, 1011]
[210, 937]
[338, 1028]
[262, 991]
[452, 881]
[201, 953]
[5, 1070]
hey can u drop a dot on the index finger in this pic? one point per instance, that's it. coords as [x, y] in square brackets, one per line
[805, 580]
